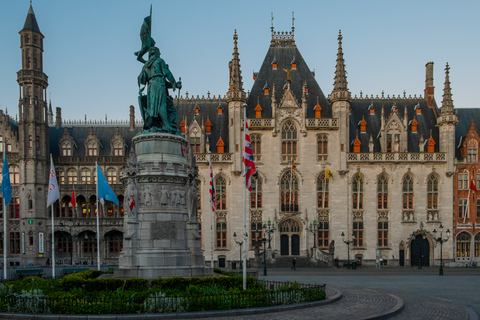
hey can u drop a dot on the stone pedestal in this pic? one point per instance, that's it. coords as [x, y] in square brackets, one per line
[161, 236]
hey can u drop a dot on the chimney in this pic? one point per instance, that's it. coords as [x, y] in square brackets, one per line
[58, 118]
[429, 88]
[132, 118]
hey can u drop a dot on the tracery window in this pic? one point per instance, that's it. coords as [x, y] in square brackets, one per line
[357, 192]
[85, 176]
[407, 190]
[382, 239]
[14, 242]
[118, 148]
[322, 147]
[472, 150]
[256, 141]
[256, 193]
[289, 192]
[14, 175]
[256, 233]
[63, 243]
[289, 141]
[463, 244]
[221, 235]
[358, 234]
[432, 192]
[382, 192]
[323, 234]
[322, 191]
[14, 208]
[221, 193]
[72, 176]
[115, 242]
[111, 176]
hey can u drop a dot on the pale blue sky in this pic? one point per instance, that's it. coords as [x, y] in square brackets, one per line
[92, 71]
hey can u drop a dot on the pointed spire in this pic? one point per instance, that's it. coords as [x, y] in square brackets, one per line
[340, 85]
[447, 102]
[236, 84]
[31, 21]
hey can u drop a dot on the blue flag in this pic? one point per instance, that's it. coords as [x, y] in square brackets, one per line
[104, 190]
[6, 185]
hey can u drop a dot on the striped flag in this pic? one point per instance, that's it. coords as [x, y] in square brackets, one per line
[53, 193]
[212, 189]
[248, 158]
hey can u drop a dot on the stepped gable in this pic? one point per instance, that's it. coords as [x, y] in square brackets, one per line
[208, 109]
[283, 52]
[360, 109]
[465, 117]
[80, 134]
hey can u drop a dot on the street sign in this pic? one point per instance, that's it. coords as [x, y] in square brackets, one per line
[30, 221]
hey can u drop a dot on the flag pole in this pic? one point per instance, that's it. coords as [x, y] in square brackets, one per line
[212, 207]
[53, 243]
[468, 205]
[4, 240]
[244, 253]
[98, 221]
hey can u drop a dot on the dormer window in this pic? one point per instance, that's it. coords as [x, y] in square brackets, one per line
[220, 109]
[258, 111]
[363, 126]
[431, 145]
[274, 66]
[266, 89]
[182, 126]
[414, 125]
[118, 149]
[472, 150]
[220, 146]
[318, 111]
[208, 126]
[356, 145]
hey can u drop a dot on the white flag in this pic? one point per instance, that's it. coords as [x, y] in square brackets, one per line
[53, 194]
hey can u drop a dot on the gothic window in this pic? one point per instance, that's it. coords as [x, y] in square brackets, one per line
[358, 234]
[289, 192]
[111, 176]
[89, 243]
[256, 232]
[289, 140]
[323, 234]
[221, 193]
[463, 181]
[195, 138]
[30, 142]
[477, 245]
[63, 243]
[462, 208]
[322, 191]
[14, 175]
[221, 235]
[85, 176]
[463, 244]
[115, 242]
[382, 239]
[382, 192]
[357, 191]
[14, 242]
[256, 141]
[256, 193]
[14, 208]
[322, 147]
[432, 192]
[118, 148]
[407, 190]
[66, 150]
[72, 176]
[60, 176]
[472, 150]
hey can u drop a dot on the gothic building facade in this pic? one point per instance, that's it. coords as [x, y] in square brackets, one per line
[392, 158]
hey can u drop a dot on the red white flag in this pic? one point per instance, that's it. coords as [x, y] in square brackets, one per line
[248, 157]
[132, 206]
[473, 187]
[212, 189]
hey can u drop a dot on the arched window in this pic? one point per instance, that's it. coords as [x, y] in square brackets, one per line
[111, 176]
[222, 235]
[289, 141]
[256, 141]
[221, 193]
[432, 192]
[322, 191]
[256, 193]
[472, 150]
[14, 175]
[463, 244]
[322, 147]
[86, 176]
[407, 190]
[382, 192]
[357, 192]
[72, 176]
[115, 242]
[289, 192]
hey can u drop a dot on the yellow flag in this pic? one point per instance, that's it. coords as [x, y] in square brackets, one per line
[359, 177]
[328, 173]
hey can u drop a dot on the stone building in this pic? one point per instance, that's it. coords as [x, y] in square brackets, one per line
[392, 158]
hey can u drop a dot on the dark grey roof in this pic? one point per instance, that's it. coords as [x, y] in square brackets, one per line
[80, 134]
[283, 56]
[360, 109]
[208, 109]
[465, 117]
[31, 21]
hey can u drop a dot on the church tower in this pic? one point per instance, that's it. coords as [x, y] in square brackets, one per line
[33, 131]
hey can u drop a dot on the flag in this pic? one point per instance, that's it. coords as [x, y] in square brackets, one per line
[328, 173]
[293, 165]
[53, 193]
[6, 185]
[248, 159]
[359, 177]
[212, 189]
[73, 197]
[473, 187]
[104, 190]
[132, 206]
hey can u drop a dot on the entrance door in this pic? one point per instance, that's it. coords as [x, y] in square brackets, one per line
[295, 244]
[402, 258]
[420, 252]
[284, 245]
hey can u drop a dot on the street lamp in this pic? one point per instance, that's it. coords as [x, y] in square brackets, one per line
[240, 244]
[268, 229]
[91, 242]
[264, 256]
[314, 229]
[348, 242]
[71, 237]
[424, 236]
[441, 241]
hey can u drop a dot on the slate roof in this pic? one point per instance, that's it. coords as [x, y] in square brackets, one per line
[283, 55]
[360, 109]
[465, 117]
[31, 21]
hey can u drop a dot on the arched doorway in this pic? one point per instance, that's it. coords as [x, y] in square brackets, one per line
[289, 238]
[419, 251]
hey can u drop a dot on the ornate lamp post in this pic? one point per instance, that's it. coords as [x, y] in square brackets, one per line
[348, 242]
[268, 229]
[314, 229]
[240, 244]
[264, 256]
[441, 240]
[424, 236]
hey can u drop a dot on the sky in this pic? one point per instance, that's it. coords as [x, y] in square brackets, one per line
[89, 45]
